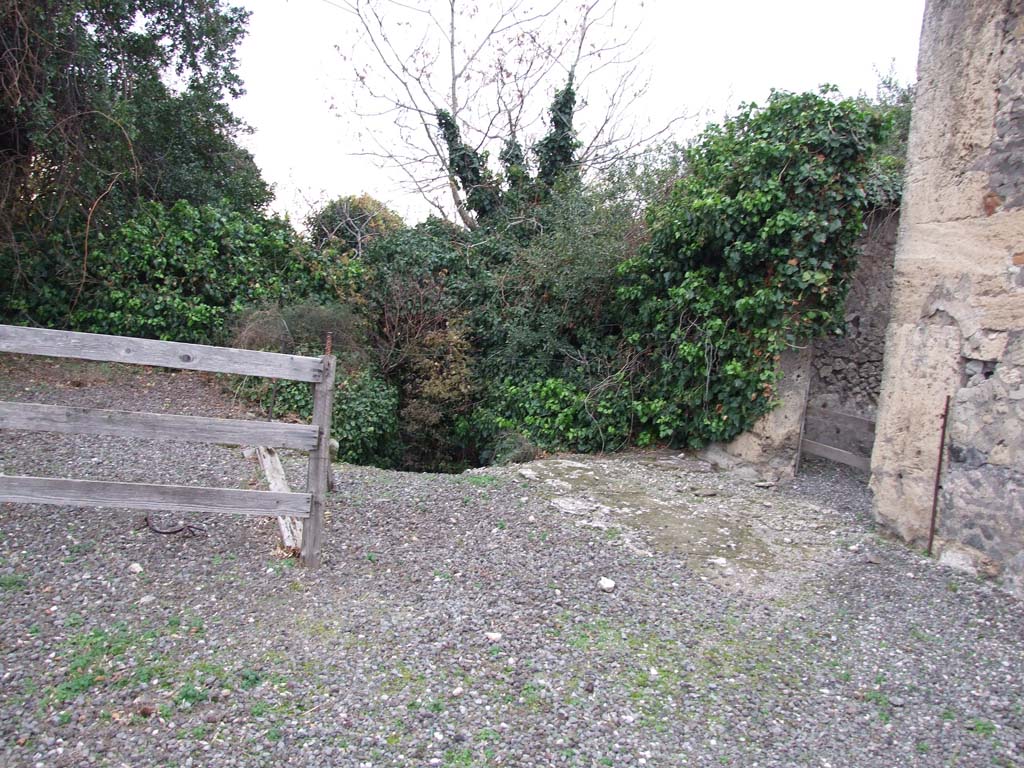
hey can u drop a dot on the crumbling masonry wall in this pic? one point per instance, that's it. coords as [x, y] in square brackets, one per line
[846, 371]
[957, 317]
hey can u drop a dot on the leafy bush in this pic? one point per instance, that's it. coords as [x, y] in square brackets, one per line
[555, 414]
[175, 272]
[364, 419]
[551, 364]
[752, 252]
[414, 325]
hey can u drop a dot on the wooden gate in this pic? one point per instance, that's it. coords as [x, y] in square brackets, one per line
[838, 436]
[309, 506]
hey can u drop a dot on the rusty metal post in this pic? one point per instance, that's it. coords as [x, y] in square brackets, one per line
[938, 477]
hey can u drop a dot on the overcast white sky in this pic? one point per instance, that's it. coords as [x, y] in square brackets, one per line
[704, 59]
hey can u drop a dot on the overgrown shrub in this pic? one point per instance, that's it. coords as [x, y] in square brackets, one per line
[753, 252]
[364, 419]
[414, 325]
[551, 364]
[175, 272]
[511, 448]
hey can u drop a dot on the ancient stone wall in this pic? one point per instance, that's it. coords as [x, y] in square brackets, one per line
[846, 372]
[957, 319]
[841, 374]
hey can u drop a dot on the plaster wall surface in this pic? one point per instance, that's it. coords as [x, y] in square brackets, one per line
[957, 316]
[769, 449]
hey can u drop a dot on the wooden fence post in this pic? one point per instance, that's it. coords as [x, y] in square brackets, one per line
[319, 465]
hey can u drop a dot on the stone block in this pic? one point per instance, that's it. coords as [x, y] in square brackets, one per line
[773, 442]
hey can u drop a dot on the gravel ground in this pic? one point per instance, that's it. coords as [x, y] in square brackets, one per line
[459, 620]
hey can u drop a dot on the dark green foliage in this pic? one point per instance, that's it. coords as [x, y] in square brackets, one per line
[491, 198]
[469, 168]
[413, 325]
[364, 419]
[751, 253]
[89, 132]
[546, 321]
[556, 152]
[185, 150]
[176, 272]
[601, 332]
[513, 161]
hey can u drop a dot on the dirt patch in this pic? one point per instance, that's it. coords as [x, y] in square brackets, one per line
[759, 537]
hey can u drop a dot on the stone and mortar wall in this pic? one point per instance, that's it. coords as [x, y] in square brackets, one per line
[846, 371]
[843, 373]
[957, 318]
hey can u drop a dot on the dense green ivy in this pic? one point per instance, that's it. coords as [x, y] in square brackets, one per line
[494, 200]
[556, 152]
[752, 253]
[601, 334]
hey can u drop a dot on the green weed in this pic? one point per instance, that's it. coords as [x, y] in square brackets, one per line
[13, 582]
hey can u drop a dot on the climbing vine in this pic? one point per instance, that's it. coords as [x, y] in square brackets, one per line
[488, 194]
[751, 254]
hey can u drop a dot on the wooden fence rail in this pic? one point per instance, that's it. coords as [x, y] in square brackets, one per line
[308, 506]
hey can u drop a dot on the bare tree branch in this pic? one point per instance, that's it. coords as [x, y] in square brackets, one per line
[494, 69]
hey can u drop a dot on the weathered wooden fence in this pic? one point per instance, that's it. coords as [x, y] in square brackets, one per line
[309, 506]
[838, 436]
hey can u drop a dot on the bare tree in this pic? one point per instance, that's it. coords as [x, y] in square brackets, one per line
[493, 68]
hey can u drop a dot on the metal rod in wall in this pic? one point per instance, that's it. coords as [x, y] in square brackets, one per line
[938, 477]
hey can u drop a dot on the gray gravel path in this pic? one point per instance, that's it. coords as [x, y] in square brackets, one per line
[458, 620]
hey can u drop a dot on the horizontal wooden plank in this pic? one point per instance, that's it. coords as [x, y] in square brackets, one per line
[163, 498]
[156, 426]
[847, 432]
[848, 438]
[841, 420]
[168, 354]
[812, 448]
